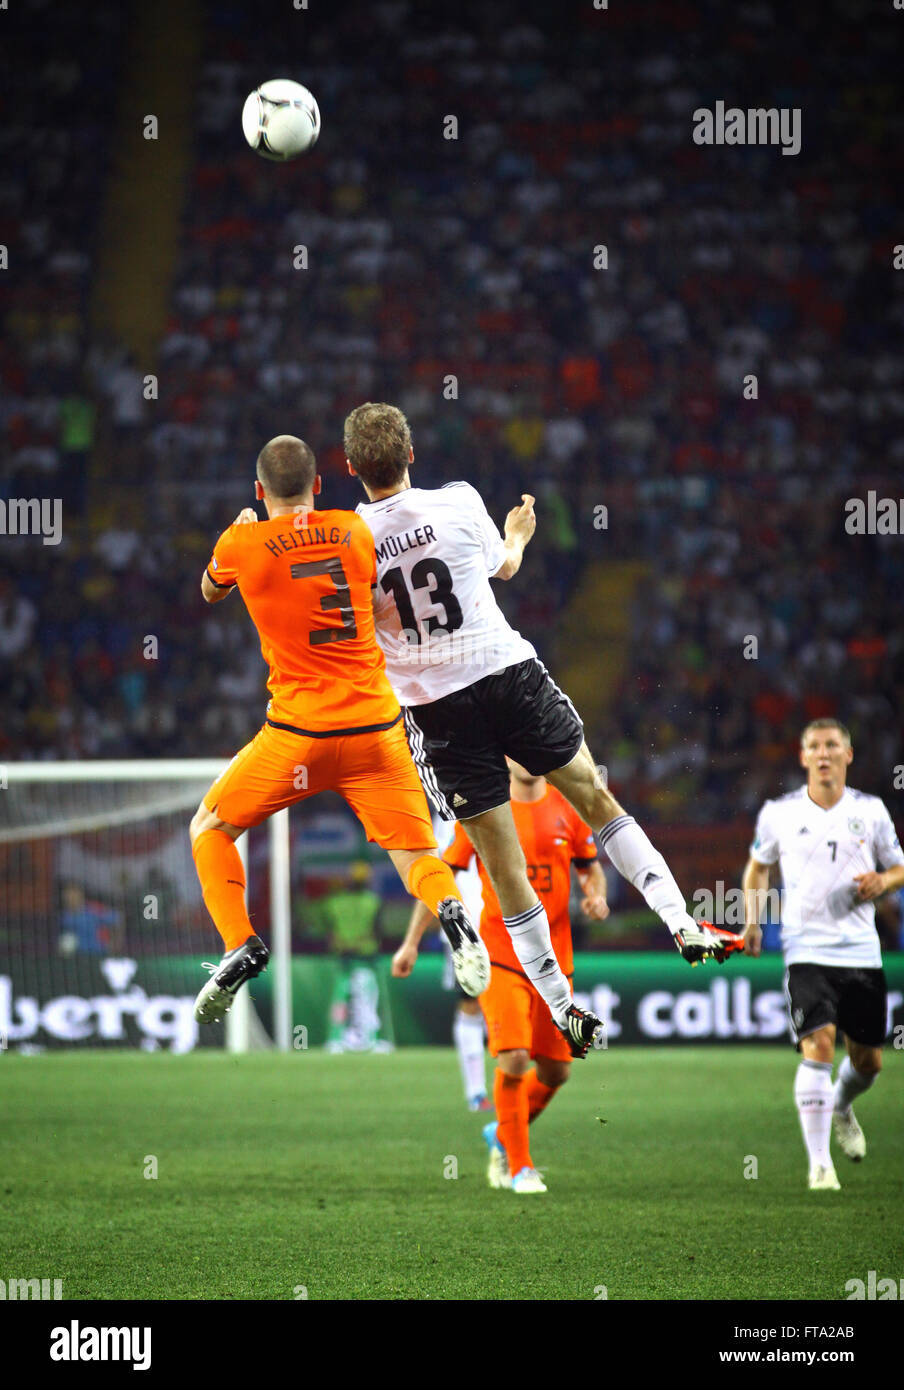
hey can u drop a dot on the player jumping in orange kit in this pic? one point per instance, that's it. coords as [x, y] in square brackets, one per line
[333, 723]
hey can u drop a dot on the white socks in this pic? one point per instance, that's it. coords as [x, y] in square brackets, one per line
[467, 1033]
[813, 1097]
[640, 863]
[849, 1084]
[532, 945]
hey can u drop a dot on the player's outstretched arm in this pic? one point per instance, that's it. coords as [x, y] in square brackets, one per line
[755, 883]
[520, 525]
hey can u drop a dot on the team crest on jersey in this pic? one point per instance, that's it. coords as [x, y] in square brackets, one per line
[856, 826]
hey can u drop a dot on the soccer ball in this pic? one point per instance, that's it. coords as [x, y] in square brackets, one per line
[281, 119]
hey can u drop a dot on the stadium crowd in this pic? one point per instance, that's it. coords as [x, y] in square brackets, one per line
[567, 296]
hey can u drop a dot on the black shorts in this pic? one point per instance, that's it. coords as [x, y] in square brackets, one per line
[856, 1001]
[459, 743]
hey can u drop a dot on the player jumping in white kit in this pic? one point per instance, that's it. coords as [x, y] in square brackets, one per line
[473, 691]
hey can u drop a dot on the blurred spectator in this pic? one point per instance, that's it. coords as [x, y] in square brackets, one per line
[88, 927]
[349, 916]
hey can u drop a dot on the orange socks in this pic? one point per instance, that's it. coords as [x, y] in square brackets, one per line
[519, 1100]
[222, 878]
[510, 1095]
[538, 1095]
[430, 880]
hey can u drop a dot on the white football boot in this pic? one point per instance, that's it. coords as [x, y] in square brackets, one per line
[527, 1181]
[497, 1163]
[823, 1179]
[849, 1134]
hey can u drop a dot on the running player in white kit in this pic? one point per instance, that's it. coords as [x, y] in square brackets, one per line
[830, 842]
[473, 691]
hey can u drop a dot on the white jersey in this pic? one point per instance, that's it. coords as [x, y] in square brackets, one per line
[819, 853]
[437, 619]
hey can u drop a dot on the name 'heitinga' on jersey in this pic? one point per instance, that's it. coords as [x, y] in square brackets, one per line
[308, 535]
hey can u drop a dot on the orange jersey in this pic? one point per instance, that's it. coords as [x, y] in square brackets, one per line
[306, 581]
[552, 835]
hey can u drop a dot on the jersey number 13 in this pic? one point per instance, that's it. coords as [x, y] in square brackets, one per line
[422, 573]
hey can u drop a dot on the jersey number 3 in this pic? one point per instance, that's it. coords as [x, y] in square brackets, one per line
[393, 582]
[340, 598]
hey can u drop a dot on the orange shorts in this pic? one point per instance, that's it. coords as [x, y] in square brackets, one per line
[373, 772]
[517, 1017]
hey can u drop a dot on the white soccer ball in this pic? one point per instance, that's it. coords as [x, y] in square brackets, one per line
[281, 119]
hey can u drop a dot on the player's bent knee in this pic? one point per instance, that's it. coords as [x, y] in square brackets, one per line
[514, 1062]
[818, 1047]
[553, 1074]
[204, 820]
[403, 861]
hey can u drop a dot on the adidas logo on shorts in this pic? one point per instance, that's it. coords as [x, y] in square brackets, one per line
[459, 800]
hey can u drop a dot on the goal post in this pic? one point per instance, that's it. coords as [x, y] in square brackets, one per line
[101, 899]
[281, 928]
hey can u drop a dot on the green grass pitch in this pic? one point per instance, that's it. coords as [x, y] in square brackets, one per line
[278, 1174]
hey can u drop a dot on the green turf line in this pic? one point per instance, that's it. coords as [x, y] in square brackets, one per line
[323, 1173]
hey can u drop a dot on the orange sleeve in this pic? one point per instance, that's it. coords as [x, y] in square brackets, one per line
[461, 851]
[583, 840]
[223, 567]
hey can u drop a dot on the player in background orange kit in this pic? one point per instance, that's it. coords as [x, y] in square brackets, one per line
[520, 1028]
[333, 723]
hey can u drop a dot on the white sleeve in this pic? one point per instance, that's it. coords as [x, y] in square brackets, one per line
[886, 845]
[491, 542]
[765, 846]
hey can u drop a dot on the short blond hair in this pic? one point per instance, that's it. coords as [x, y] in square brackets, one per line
[826, 723]
[377, 443]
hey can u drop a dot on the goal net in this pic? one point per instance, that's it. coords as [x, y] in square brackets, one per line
[104, 930]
